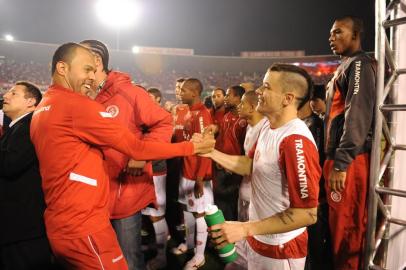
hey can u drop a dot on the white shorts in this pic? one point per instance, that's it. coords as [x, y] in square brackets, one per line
[259, 262]
[160, 193]
[187, 196]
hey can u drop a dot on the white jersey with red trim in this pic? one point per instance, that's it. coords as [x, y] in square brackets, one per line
[285, 174]
[251, 138]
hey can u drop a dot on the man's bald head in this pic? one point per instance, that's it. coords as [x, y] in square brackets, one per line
[294, 79]
[65, 53]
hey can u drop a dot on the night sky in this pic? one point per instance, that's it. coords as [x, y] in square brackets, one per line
[210, 27]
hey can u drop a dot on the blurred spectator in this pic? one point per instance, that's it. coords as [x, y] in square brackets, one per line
[318, 100]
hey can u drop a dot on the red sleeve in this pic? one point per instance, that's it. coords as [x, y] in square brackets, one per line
[158, 121]
[203, 164]
[95, 126]
[299, 160]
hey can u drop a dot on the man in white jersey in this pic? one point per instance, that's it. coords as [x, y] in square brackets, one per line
[256, 120]
[285, 170]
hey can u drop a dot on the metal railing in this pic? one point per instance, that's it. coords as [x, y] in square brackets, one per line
[380, 189]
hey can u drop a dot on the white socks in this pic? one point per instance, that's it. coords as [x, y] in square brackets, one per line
[201, 236]
[161, 236]
[190, 223]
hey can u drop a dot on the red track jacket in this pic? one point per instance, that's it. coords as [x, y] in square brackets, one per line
[131, 106]
[69, 131]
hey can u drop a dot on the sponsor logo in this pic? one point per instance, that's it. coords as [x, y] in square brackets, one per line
[242, 123]
[335, 196]
[357, 76]
[113, 110]
[43, 109]
[301, 169]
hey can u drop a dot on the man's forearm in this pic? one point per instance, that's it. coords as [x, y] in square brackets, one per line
[288, 220]
[238, 164]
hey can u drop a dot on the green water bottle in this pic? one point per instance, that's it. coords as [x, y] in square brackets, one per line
[215, 216]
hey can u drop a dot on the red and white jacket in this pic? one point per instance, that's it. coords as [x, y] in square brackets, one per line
[69, 132]
[131, 106]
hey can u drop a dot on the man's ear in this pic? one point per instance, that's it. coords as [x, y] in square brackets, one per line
[289, 98]
[31, 102]
[252, 106]
[61, 68]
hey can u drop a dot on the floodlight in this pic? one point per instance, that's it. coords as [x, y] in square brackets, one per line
[135, 49]
[9, 37]
[118, 14]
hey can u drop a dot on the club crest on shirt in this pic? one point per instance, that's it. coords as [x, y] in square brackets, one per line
[113, 110]
[242, 123]
[335, 196]
[190, 202]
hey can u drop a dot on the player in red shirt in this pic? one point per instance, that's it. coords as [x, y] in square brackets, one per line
[219, 109]
[195, 187]
[69, 132]
[230, 140]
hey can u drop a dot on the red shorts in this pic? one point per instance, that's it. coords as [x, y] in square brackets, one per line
[99, 250]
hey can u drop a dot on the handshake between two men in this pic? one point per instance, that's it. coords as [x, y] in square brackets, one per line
[203, 143]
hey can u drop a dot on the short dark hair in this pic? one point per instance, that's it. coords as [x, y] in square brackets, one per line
[220, 89]
[357, 24]
[195, 83]
[155, 92]
[208, 102]
[238, 90]
[100, 49]
[180, 80]
[252, 97]
[288, 68]
[31, 91]
[319, 91]
[64, 53]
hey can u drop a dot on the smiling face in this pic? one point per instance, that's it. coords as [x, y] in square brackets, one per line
[79, 74]
[270, 94]
[343, 40]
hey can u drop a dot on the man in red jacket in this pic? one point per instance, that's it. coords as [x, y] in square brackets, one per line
[131, 184]
[70, 132]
